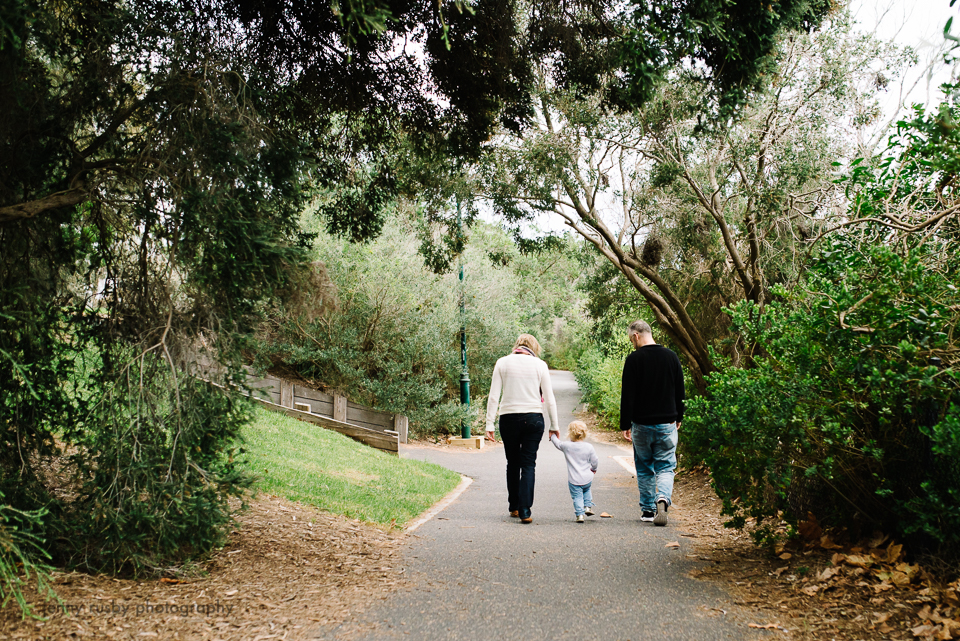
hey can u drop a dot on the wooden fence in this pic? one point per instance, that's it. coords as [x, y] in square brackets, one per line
[376, 428]
[382, 430]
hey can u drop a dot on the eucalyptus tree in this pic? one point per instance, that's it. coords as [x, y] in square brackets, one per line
[698, 214]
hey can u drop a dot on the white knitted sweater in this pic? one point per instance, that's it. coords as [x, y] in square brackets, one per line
[518, 380]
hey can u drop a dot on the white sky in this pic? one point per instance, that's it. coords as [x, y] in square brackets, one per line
[915, 23]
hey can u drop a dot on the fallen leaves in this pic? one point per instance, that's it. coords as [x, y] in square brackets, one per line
[604, 515]
[673, 545]
[343, 567]
[935, 625]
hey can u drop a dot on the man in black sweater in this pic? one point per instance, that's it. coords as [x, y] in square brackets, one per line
[651, 410]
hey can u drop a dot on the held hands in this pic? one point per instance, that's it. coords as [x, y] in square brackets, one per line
[552, 433]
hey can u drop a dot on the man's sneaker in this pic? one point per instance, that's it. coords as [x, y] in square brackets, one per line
[579, 518]
[661, 517]
[647, 516]
[588, 510]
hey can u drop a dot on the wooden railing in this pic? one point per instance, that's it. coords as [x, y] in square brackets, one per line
[376, 428]
[382, 430]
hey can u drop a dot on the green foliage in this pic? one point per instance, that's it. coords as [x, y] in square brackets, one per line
[844, 417]
[20, 549]
[320, 467]
[391, 335]
[146, 213]
[154, 467]
[599, 375]
[736, 41]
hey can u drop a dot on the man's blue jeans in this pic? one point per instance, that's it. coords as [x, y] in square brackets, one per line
[581, 496]
[655, 455]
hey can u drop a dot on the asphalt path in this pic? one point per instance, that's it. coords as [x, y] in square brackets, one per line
[476, 573]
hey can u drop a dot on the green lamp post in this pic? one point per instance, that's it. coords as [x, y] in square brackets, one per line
[465, 373]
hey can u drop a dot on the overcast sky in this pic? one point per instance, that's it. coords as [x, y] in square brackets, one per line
[919, 24]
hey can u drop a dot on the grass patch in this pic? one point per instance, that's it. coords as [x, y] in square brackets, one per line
[316, 466]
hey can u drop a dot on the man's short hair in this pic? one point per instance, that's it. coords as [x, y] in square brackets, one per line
[639, 327]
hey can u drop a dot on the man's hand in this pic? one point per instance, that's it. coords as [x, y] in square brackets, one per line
[490, 437]
[552, 432]
[627, 435]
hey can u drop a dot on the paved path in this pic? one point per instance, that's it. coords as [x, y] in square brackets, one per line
[478, 574]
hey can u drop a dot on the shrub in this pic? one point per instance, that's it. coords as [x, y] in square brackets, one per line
[21, 555]
[393, 339]
[599, 377]
[844, 414]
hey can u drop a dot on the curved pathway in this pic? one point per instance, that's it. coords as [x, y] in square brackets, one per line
[478, 574]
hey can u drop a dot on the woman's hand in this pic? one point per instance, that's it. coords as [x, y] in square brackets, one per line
[552, 432]
[491, 437]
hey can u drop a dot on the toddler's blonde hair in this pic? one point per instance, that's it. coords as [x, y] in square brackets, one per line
[577, 431]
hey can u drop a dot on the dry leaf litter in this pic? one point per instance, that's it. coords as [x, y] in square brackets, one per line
[287, 570]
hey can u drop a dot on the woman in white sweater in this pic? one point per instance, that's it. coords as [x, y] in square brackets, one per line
[520, 387]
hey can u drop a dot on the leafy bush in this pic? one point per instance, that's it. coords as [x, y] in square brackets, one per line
[154, 468]
[843, 415]
[20, 549]
[599, 377]
[391, 335]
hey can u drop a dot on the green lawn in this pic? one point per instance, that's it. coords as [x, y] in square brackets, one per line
[316, 466]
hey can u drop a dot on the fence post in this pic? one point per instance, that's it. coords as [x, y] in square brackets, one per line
[400, 426]
[286, 393]
[339, 407]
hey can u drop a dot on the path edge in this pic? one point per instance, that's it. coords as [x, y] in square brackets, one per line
[440, 505]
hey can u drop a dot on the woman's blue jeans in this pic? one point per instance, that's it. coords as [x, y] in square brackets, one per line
[655, 455]
[582, 496]
[521, 434]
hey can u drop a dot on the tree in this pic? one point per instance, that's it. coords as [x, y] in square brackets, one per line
[695, 216]
[155, 157]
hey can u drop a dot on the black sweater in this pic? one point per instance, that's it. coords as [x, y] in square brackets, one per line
[652, 387]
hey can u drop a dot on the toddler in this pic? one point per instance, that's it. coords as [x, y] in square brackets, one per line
[581, 466]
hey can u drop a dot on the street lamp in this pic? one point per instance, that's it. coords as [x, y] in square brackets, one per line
[465, 373]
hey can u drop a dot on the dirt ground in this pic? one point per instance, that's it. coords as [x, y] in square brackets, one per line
[289, 570]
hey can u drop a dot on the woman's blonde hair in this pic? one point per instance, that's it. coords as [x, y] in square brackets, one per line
[577, 431]
[528, 341]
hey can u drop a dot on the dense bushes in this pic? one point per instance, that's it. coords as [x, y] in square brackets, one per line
[848, 409]
[846, 414]
[391, 336]
[598, 373]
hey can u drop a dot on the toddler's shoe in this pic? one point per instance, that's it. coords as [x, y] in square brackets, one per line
[588, 511]
[579, 518]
